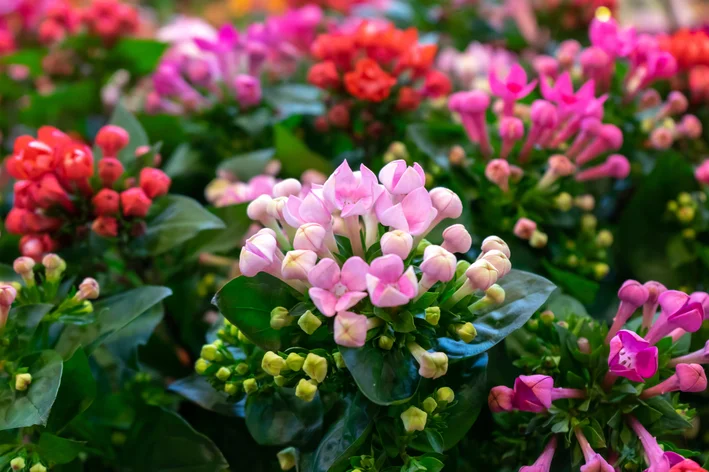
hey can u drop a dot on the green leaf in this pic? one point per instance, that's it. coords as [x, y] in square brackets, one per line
[76, 392]
[279, 417]
[196, 389]
[8, 274]
[249, 165]
[182, 161]
[577, 286]
[247, 302]
[295, 156]
[174, 220]
[401, 321]
[139, 56]
[563, 305]
[23, 320]
[138, 137]
[223, 240]
[295, 99]
[435, 140]
[31, 407]
[113, 314]
[670, 419]
[384, 377]
[594, 434]
[124, 344]
[58, 450]
[30, 58]
[525, 293]
[344, 438]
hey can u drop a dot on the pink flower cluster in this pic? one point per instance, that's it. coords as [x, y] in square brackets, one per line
[320, 241]
[469, 69]
[232, 63]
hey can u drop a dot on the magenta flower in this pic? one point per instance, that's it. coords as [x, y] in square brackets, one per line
[309, 209]
[353, 193]
[227, 39]
[248, 90]
[400, 179]
[616, 167]
[336, 290]
[703, 299]
[657, 459]
[413, 214]
[611, 38]
[543, 462]
[654, 290]
[632, 357]
[514, 87]
[534, 393]
[594, 461]
[632, 295]
[678, 310]
[387, 283]
[700, 356]
[260, 253]
[350, 329]
[501, 398]
[472, 107]
[562, 93]
[607, 138]
[687, 378]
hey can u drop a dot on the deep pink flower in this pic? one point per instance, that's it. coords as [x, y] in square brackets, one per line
[259, 253]
[512, 88]
[700, 356]
[543, 462]
[501, 398]
[400, 179]
[632, 357]
[594, 461]
[414, 214]
[387, 283]
[657, 459]
[533, 393]
[687, 378]
[336, 290]
[353, 193]
[678, 310]
[632, 295]
[610, 37]
[562, 93]
[654, 290]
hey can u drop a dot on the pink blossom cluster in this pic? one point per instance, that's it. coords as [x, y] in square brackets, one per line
[231, 63]
[663, 122]
[469, 69]
[349, 245]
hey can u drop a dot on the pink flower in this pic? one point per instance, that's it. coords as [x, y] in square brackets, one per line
[524, 228]
[543, 463]
[297, 264]
[654, 290]
[414, 214]
[657, 459]
[446, 202]
[400, 179]
[610, 37]
[616, 166]
[350, 329]
[687, 378]
[700, 356]
[594, 461]
[562, 93]
[501, 399]
[397, 242]
[387, 283]
[438, 264]
[336, 290]
[512, 88]
[702, 173]
[498, 172]
[353, 193]
[310, 236]
[309, 209]
[259, 253]
[677, 311]
[632, 357]
[457, 239]
[533, 393]
[632, 295]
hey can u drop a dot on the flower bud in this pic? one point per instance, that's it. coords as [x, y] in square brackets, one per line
[250, 386]
[201, 366]
[438, 264]
[501, 399]
[584, 345]
[106, 202]
[456, 156]
[24, 266]
[309, 322]
[105, 226]
[498, 172]
[339, 360]
[209, 352]
[135, 202]
[414, 419]
[8, 293]
[257, 210]
[600, 270]
[446, 202]
[524, 228]
[315, 367]
[280, 318]
[585, 202]
[287, 187]
[499, 260]
[154, 182]
[38, 468]
[538, 240]
[54, 266]
[306, 390]
[310, 236]
[482, 274]
[18, 463]
[294, 361]
[287, 458]
[691, 377]
[433, 315]
[564, 201]
[386, 343]
[280, 380]
[88, 289]
[242, 368]
[466, 332]
[297, 264]
[445, 394]
[604, 239]
[22, 381]
[231, 388]
[111, 139]
[429, 405]
[272, 363]
[223, 374]
[547, 317]
[248, 90]
[397, 242]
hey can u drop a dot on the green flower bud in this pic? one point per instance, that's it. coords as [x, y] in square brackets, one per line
[316, 367]
[242, 368]
[683, 199]
[398, 149]
[295, 361]
[287, 458]
[600, 270]
[280, 380]
[22, 381]
[572, 261]
[429, 405]
[686, 214]
[445, 394]
[672, 206]
[563, 324]
[533, 325]
[461, 267]
[38, 468]
[223, 374]
[538, 239]
[209, 352]
[231, 388]
[604, 238]
[250, 386]
[241, 336]
[18, 463]
[201, 366]
[589, 222]
[547, 317]
[496, 294]
[272, 363]
[386, 343]
[564, 201]
[422, 247]
[433, 315]
[309, 322]
[280, 318]
[339, 361]
[414, 419]
[306, 390]
[466, 332]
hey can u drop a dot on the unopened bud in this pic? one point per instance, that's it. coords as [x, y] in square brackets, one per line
[250, 386]
[445, 394]
[414, 419]
[422, 247]
[272, 363]
[280, 380]
[223, 374]
[538, 240]
[242, 368]
[306, 390]
[294, 361]
[315, 367]
[209, 352]
[686, 214]
[339, 361]
[22, 381]
[309, 322]
[201, 366]
[429, 405]
[399, 150]
[585, 202]
[287, 458]
[600, 270]
[280, 318]
[433, 315]
[386, 343]
[88, 289]
[54, 267]
[589, 222]
[466, 332]
[533, 325]
[604, 238]
[584, 345]
[239, 335]
[563, 324]
[547, 317]
[456, 156]
[461, 267]
[38, 468]
[231, 388]
[18, 463]
[24, 266]
[564, 201]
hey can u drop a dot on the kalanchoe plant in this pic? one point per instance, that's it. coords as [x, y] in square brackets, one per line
[343, 305]
[614, 387]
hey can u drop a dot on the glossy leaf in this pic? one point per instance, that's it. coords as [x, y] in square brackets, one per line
[222, 240]
[58, 450]
[295, 157]
[278, 417]
[249, 165]
[76, 392]
[196, 389]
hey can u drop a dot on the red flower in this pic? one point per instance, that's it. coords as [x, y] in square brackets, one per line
[31, 159]
[105, 226]
[339, 116]
[16, 221]
[48, 192]
[154, 182]
[369, 82]
[77, 162]
[111, 139]
[418, 59]
[134, 202]
[35, 246]
[324, 75]
[687, 465]
[409, 99]
[23, 194]
[106, 202]
[339, 49]
[109, 170]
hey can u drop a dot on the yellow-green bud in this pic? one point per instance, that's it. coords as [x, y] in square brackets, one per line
[279, 380]
[295, 361]
[538, 239]
[533, 325]
[604, 238]
[414, 419]
[563, 324]
[309, 322]
[231, 388]
[600, 270]
[306, 390]
[422, 246]
[272, 363]
[250, 386]
[589, 222]
[689, 233]
[223, 374]
[496, 294]
[399, 150]
[201, 366]
[461, 267]
[572, 261]
[18, 463]
[315, 367]
[389, 157]
[287, 458]
[433, 315]
[280, 318]
[547, 317]
[685, 214]
[242, 368]
[672, 206]
[429, 405]
[38, 468]
[466, 332]
[22, 381]
[564, 201]
[339, 361]
[445, 394]
[386, 343]
[684, 199]
[209, 352]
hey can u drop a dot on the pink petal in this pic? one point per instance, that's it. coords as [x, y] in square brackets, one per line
[313, 210]
[350, 329]
[498, 88]
[387, 268]
[408, 285]
[291, 211]
[394, 217]
[417, 208]
[517, 75]
[349, 299]
[325, 301]
[672, 300]
[391, 172]
[410, 180]
[387, 296]
[325, 274]
[353, 275]
[646, 362]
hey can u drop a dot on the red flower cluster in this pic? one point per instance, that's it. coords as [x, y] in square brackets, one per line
[377, 61]
[691, 49]
[59, 191]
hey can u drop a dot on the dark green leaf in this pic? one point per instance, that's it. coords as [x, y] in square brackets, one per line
[401, 321]
[58, 450]
[222, 240]
[577, 286]
[295, 157]
[25, 319]
[669, 420]
[279, 417]
[124, 344]
[76, 392]
[8, 274]
[196, 388]
[295, 99]
[182, 161]
[139, 56]
[249, 165]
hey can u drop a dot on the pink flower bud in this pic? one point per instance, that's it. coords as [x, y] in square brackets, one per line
[154, 182]
[400, 179]
[661, 138]
[23, 266]
[524, 228]
[690, 127]
[561, 165]
[350, 329]
[691, 378]
[275, 208]
[286, 188]
[543, 114]
[533, 393]
[511, 128]
[492, 243]
[546, 66]
[298, 263]
[498, 172]
[310, 236]
[567, 51]
[499, 260]
[607, 138]
[438, 264]
[397, 242]
[106, 202]
[134, 202]
[650, 99]
[88, 289]
[701, 173]
[446, 202]
[7, 295]
[111, 139]
[482, 274]
[257, 210]
[110, 169]
[501, 399]
[616, 166]
[677, 103]
[248, 90]
[258, 253]
[457, 239]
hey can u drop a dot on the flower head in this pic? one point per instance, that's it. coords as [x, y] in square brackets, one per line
[388, 284]
[336, 289]
[632, 357]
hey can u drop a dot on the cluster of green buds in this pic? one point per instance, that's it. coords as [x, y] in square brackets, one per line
[27, 462]
[587, 252]
[306, 371]
[685, 210]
